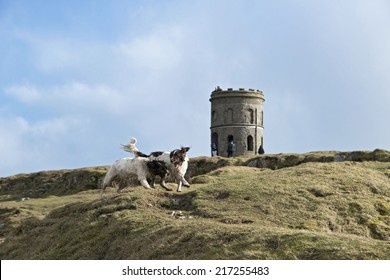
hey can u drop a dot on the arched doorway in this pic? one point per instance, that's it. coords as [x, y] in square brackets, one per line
[249, 141]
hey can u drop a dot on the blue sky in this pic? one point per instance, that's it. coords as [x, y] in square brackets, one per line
[78, 78]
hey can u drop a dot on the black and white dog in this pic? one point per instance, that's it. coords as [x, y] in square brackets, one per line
[132, 169]
[176, 161]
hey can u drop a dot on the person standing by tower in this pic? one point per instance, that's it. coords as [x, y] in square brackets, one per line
[261, 150]
[214, 150]
[230, 148]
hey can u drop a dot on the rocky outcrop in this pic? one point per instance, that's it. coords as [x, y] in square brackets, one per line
[288, 160]
[56, 182]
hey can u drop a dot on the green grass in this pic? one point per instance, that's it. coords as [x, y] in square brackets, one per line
[312, 209]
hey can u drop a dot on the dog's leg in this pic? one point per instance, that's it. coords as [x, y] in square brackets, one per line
[107, 181]
[152, 182]
[122, 182]
[162, 184]
[180, 179]
[144, 183]
[102, 190]
[121, 187]
[105, 184]
[179, 186]
[184, 181]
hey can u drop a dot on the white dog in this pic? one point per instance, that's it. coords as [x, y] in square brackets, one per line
[138, 168]
[176, 161]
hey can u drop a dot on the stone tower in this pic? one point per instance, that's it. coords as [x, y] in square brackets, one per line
[237, 115]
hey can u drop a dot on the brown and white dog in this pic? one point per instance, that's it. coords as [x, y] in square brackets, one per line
[176, 161]
[139, 169]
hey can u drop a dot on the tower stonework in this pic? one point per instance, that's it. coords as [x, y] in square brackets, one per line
[237, 115]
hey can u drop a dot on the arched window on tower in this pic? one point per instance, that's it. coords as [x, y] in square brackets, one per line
[250, 143]
[214, 138]
[230, 115]
[213, 116]
[262, 120]
[251, 116]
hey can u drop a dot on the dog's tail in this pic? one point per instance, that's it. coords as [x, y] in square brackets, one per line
[131, 148]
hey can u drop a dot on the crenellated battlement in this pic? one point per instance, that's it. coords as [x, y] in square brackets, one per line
[218, 89]
[241, 92]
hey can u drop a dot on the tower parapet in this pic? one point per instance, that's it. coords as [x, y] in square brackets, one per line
[237, 115]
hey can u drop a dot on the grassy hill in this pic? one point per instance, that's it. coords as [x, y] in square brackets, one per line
[321, 205]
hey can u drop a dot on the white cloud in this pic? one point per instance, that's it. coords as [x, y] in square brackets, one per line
[71, 97]
[12, 132]
[51, 57]
[63, 126]
[48, 53]
[26, 146]
[24, 93]
[158, 51]
[374, 18]
[81, 96]
[57, 54]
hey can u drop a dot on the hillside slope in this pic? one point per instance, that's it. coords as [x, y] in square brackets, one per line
[324, 205]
